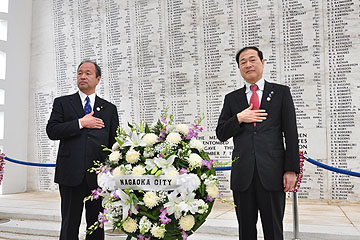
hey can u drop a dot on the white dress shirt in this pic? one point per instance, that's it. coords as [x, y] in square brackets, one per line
[259, 91]
[83, 102]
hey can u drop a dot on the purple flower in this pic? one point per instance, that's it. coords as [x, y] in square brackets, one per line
[95, 193]
[209, 199]
[116, 196]
[184, 235]
[101, 219]
[162, 217]
[206, 163]
[183, 171]
[142, 237]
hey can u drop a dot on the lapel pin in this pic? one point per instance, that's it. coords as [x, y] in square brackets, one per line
[269, 97]
[98, 109]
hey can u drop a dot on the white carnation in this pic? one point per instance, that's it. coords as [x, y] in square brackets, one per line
[194, 143]
[195, 160]
[187, 222]
[173, 137]
[182, 128]
[138, 170]
[151, 199]
[144, 225]
[118, 171]
[150, 139]
[212, 190]
[115, 156]
[132, 156]
[157, 231]
[130, 225]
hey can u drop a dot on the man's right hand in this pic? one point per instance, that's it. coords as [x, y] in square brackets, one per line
[89, 121]
[248, 115]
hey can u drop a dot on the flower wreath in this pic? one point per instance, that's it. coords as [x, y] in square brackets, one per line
[157, 182]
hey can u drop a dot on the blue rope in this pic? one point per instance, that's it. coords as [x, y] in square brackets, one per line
[30, 163]
[333, 169]
[338, 170]
[223, 168]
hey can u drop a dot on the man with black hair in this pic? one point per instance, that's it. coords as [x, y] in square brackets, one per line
[259, 117]
[82, 122]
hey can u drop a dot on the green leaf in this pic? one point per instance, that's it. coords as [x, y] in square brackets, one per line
[148, 215]
[147, 129]
[119, 141]
[154, 170]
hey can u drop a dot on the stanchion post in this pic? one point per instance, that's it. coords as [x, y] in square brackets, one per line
[295, 217]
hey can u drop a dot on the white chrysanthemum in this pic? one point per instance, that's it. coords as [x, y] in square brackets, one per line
[118, 171]
[173, 137]
[195, 160]
[158, 231]
[182, 128]
[138, 170]
[132, 156]
[187, 222]
[150, 139]
[130, 225]
[115, 146]
[115, 156]
[144, 225]
[212, 190]
[194, 143]
[151, 199]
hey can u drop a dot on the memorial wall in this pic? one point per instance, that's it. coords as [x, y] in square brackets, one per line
[180, 53]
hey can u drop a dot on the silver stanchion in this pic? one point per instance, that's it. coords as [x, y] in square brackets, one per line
[295, 217]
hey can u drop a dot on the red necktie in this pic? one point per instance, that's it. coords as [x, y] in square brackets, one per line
[254, 100]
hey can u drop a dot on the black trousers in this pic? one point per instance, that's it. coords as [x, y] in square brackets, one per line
[271, 206]
[71, 210]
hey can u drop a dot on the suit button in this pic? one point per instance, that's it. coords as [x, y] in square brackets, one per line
[255, 132]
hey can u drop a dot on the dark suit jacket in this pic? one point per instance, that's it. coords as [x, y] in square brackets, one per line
[80, 147]
[262, 144]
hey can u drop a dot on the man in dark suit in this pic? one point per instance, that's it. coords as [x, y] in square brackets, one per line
[82, 122]
[259, 117]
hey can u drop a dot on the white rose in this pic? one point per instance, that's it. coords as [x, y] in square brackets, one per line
[132, 156]
[212, 190]
[150, 139]
[195, 160]
[182, 128]
[151, 199]
[187, 222]
[118, 171]
[138, 170]
[173, 137]
[157, 231]
[115, 146]
[115, 156]
[130, 225]
[194, 143]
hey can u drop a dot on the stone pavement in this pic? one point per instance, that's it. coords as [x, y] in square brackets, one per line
[36, 216]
